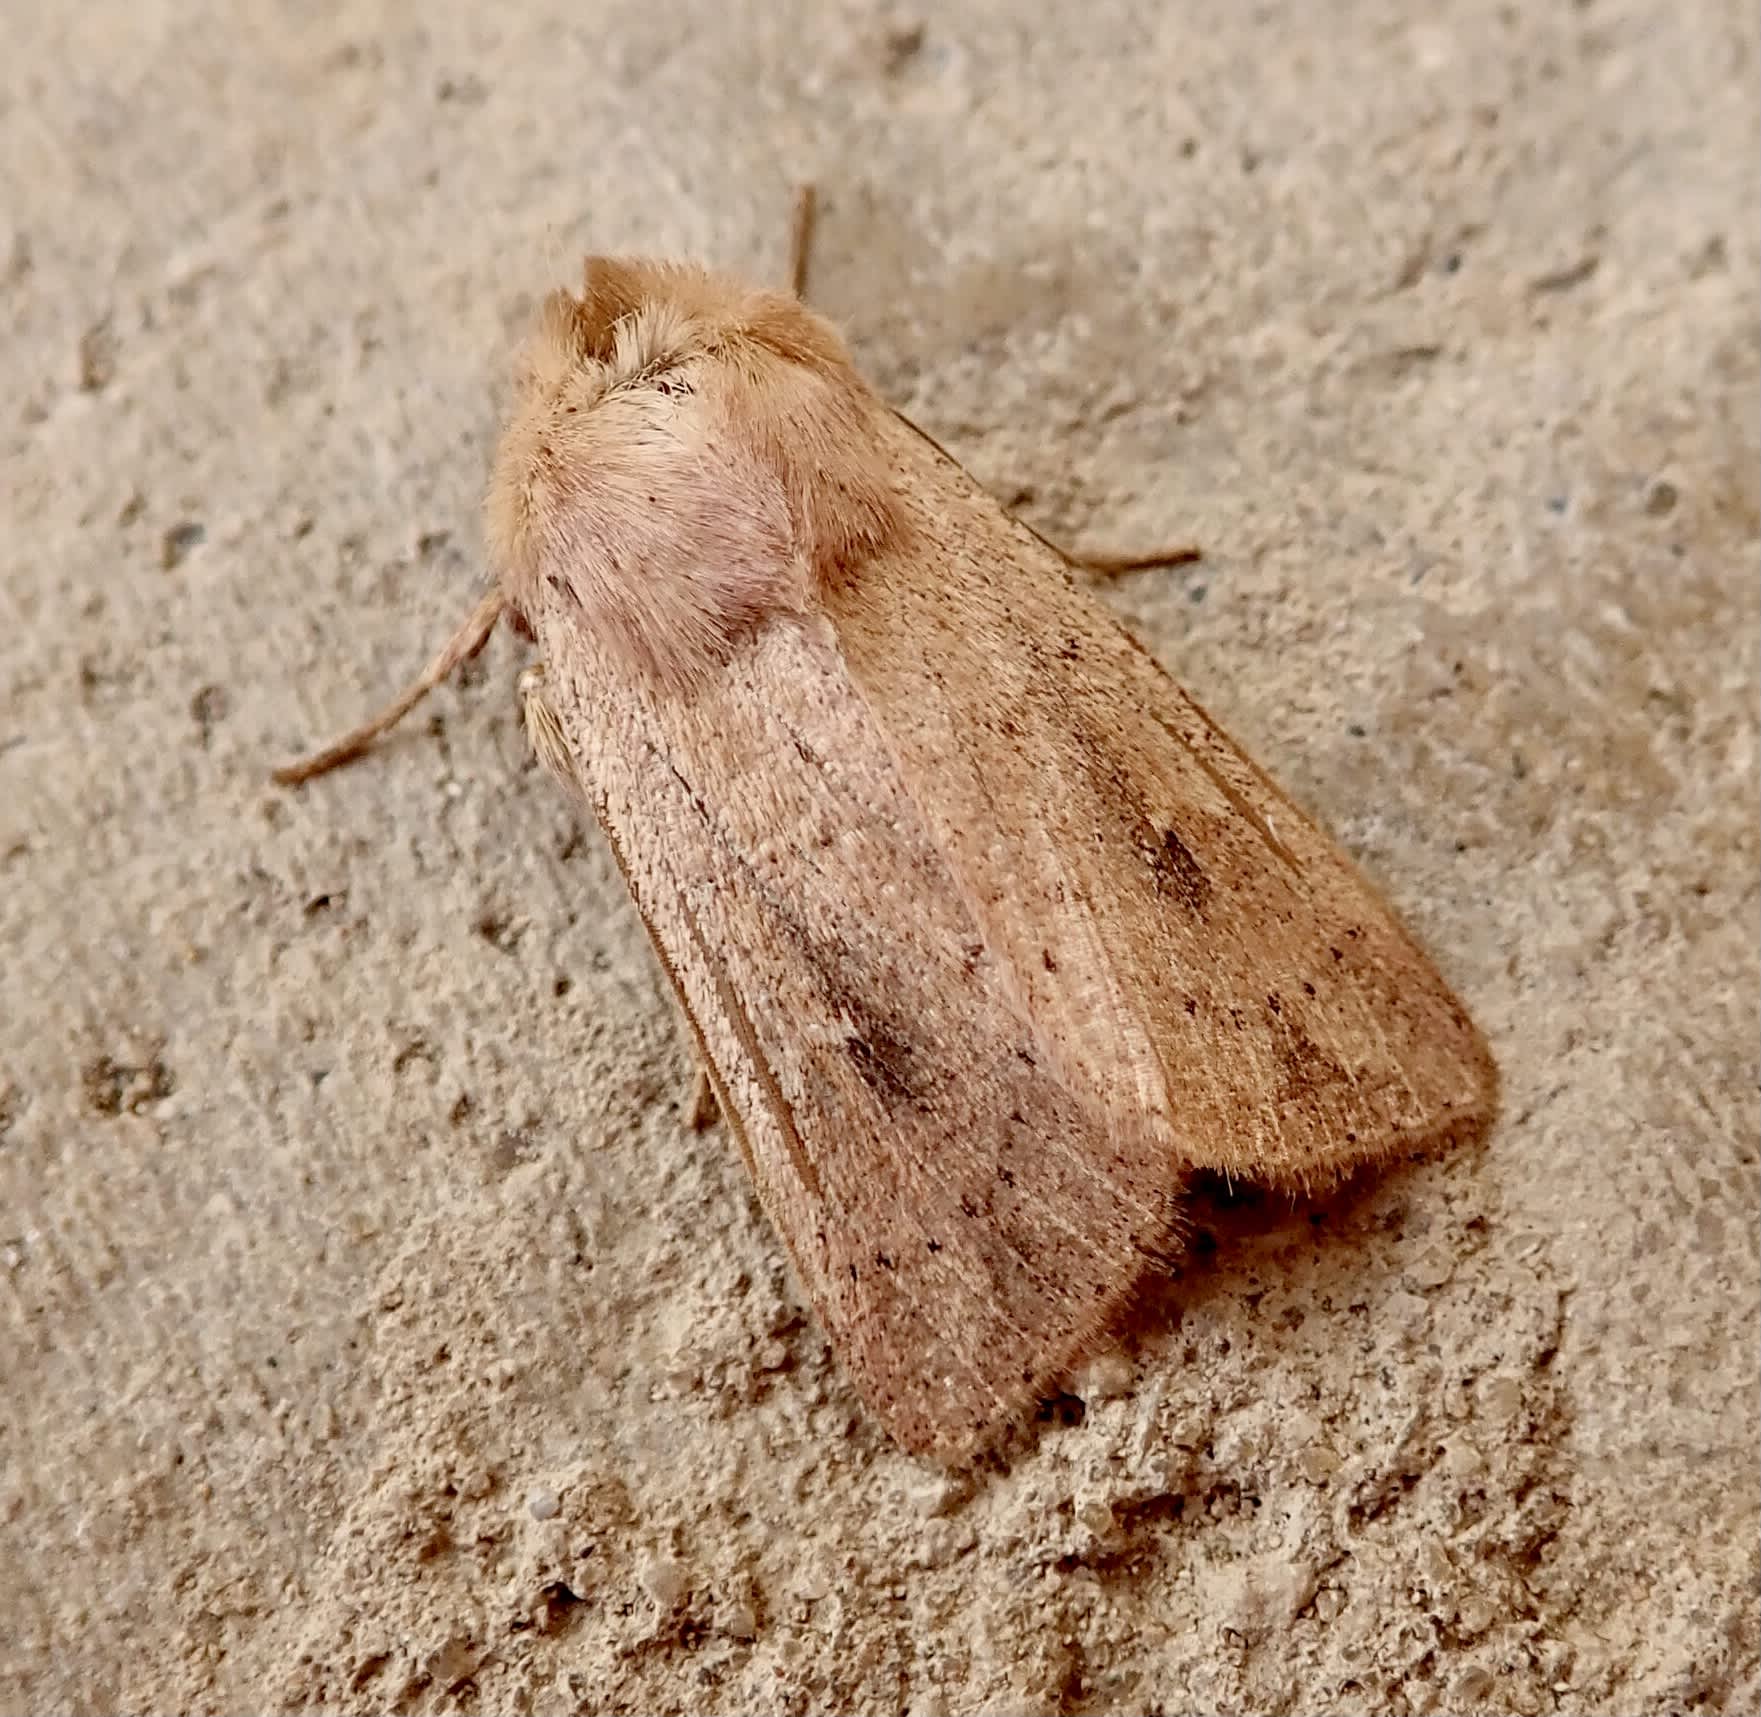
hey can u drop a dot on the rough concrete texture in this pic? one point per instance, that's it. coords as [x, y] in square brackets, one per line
[375, 1335]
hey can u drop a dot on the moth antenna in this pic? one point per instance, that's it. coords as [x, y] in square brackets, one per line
[457, 650]
[806, 212]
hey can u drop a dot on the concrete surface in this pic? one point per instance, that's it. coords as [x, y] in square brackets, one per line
[374, 1335]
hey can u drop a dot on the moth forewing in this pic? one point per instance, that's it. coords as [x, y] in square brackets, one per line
[1194, 952]
[963, 1226]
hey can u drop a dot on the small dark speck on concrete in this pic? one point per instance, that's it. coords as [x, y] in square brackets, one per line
[1557, 503]
[516, 1145]
[1357, 730]
[555, 1601]
[178, 541]
[1661, 498]
[468, 91]
[1564, 279]
[97, 357]
[417, 1049]
[901, 44]
[208, 708]
[498, 930]
[111, 1086]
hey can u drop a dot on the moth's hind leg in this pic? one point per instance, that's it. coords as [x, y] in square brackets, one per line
[1101, 568]
[702, 1111]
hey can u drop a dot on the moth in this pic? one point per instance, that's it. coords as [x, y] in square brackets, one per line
[989, 938]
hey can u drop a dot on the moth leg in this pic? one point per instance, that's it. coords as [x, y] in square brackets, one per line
[544, 729]
[801, 238]
[1098, 567]
[458, 649]
[1102, 568]
[702, 1111]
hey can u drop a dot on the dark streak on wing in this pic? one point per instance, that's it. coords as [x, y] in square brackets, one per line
[878, 1047]
[884, 1062]
[1238, 803]
[1174, 867]
[1307, 1068]
[1180, 874]
[741, 1023]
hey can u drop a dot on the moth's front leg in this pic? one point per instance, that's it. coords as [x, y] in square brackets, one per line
[544, 728]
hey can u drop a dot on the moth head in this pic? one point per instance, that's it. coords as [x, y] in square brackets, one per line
[687, 458]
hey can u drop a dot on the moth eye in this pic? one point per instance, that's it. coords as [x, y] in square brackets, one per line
[518, 624]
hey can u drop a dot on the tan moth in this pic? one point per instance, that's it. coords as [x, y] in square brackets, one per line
[988, 937]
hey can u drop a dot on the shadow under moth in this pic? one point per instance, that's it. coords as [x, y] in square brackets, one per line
[988, 937]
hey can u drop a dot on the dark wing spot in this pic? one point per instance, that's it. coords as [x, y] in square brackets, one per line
[885, 1063]
[1051, 964]
[1306, 1067]
[1178, 873]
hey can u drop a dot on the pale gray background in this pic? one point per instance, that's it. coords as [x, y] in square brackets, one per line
[347, 1222]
